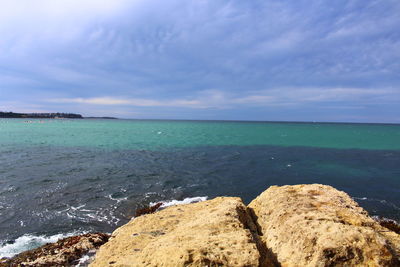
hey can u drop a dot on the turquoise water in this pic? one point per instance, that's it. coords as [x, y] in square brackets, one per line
[59, 177]
[154, 135]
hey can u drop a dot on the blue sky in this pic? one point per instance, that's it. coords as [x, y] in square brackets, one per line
[205, 59]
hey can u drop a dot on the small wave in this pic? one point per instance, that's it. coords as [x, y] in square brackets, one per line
[28, 241]
[118, 199]
[380, 218]
[382, 201]
[174, 202]
[360, 198]
[77, 208]
[90, 215]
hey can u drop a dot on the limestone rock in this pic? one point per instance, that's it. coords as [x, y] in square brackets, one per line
[317, 225]
[217, 232]
[61, 253]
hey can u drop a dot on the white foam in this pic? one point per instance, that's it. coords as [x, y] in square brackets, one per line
[85, 259]
[117, 199]
[88, 215]
[379, 218]
[28, 241]
[77, 208]
[174, 202]
[382, 201]
[360, 198]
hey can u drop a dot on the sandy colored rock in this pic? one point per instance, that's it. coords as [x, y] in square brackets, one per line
[210, 233]
[317, 225]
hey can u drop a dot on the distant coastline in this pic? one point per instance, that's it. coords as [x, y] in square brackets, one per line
[41, 115]
[57, 115]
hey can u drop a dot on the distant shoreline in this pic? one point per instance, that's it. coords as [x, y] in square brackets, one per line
[57, 115]
[13, 115]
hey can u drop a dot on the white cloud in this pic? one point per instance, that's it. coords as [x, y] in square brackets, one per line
[272, 97]
[132, 102]
[26, 25]
[58, 10]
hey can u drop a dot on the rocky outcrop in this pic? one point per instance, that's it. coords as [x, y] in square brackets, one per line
[317, 225]
[64, 252]
[217, 232]
[301, 225]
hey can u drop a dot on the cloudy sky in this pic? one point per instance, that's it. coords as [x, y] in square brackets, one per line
[295, 60]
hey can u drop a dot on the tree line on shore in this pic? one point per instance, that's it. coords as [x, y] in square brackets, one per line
[40, 115]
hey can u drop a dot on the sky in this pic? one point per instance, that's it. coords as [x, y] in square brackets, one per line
[286, 60]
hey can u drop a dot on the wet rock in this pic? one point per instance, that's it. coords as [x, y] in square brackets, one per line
[317, 225]
[389, 224]
[64, 252]
[147, 210]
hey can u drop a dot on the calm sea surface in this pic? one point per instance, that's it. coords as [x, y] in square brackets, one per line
[60, 177]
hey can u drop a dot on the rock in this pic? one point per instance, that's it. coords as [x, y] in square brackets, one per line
[317, 225]
[217, 232]
[147, 210]
[389, 224]
[301, 225]
[62, 253]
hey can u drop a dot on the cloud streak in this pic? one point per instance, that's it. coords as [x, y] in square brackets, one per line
[272, 97]
[112, 101]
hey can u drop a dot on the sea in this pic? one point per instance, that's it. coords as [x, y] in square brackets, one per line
[61, 177]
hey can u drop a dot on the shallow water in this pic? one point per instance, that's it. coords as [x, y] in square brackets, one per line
[68, 176]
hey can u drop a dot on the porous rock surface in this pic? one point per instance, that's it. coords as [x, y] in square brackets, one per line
[317, 225]
[217, 232]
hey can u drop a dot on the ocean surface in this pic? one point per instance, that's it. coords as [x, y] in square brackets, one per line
[65, 177]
